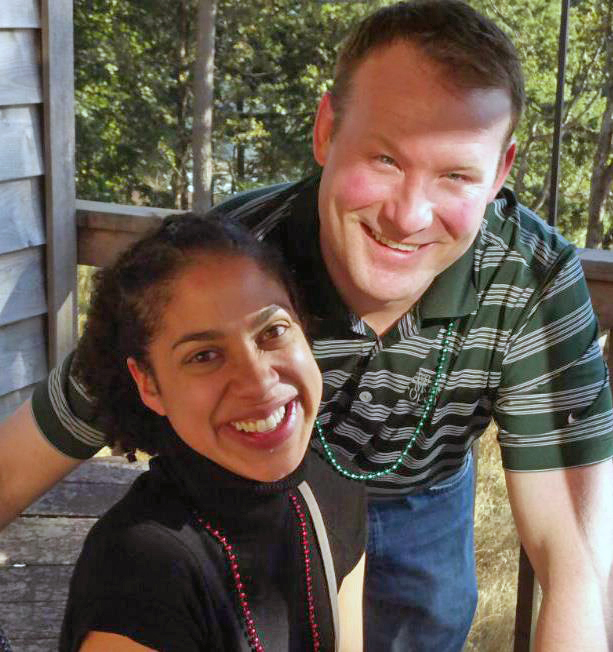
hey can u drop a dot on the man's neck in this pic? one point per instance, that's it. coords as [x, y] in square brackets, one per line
[383, 320]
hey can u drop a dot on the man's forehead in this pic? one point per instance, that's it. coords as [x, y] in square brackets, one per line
[396, 81]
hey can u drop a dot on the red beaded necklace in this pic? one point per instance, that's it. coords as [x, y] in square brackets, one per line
[251, 631]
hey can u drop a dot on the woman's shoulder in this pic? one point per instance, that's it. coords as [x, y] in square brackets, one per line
[145, 528]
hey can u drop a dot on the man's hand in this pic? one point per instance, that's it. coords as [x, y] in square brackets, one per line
[565, 522]
[29, 464]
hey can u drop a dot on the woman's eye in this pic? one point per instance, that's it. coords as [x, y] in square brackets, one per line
[274, 331]
[203, 357]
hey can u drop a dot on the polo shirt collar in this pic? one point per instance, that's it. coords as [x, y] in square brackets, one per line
[453, 292]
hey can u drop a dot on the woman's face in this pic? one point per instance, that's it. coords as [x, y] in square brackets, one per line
[232, 369]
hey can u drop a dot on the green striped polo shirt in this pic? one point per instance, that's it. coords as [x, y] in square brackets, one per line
[523, 350]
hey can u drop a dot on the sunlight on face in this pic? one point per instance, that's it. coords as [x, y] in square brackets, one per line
[233, 371]
[406, 177]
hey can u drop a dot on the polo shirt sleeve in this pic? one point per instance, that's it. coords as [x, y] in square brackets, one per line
[553, 405]
[65, 414]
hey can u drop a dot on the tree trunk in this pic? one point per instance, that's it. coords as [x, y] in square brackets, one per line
[179, 180]
[602, 168]
[203, 106]
[240, 147]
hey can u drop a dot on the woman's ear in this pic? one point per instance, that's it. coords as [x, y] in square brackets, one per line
[147, 387]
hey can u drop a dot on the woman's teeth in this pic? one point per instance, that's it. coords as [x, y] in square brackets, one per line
[262, 425]
[393, 244]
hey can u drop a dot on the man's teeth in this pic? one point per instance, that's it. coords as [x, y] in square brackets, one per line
[262, 425]
[393, 244]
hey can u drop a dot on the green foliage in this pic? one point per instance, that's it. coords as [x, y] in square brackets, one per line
[274, 59]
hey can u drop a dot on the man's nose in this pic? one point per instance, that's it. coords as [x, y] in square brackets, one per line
[409, 208]
[254, 375]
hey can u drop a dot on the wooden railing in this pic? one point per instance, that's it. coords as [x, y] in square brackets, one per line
[105, 229]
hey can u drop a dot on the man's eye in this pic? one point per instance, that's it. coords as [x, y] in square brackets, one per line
[456, 176]
[386, 160]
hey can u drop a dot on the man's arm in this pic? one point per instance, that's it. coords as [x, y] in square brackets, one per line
[565, 522]
[29, 464]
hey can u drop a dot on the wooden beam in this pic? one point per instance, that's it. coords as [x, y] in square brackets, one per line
[526, 610]
[104, 230]
[597, 264]
[58, 85]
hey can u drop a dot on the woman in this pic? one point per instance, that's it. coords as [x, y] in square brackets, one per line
[194, 341]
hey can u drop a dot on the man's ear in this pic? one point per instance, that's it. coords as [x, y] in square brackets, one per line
[147, 387]
[322, 132]
[504, 167]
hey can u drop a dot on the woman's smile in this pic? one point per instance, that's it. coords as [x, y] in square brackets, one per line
[232, 370]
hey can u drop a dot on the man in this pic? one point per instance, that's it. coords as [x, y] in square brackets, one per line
[436, 302]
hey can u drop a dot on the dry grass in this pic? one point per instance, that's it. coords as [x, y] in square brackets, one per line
[497, 552]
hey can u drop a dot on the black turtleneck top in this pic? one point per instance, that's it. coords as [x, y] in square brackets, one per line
[148, 571]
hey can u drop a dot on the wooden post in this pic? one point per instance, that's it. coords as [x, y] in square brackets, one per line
[59, 127]
[526, 610]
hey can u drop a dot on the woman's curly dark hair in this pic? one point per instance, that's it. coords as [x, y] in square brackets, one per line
[127, 306]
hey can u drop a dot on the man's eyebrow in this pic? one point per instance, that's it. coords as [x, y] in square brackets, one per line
[209, 335]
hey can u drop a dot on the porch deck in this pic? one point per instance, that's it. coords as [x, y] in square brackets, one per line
[38, 550]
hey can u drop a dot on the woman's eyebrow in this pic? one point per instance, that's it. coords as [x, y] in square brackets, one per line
[206, 336]
[265, 314]
[197, 336]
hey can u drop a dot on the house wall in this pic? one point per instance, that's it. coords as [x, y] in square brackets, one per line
[37, 219]
[23, 303]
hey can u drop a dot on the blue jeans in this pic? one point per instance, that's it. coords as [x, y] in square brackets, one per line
[421, 586]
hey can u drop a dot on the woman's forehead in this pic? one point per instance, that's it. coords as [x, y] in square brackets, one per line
[222, 289]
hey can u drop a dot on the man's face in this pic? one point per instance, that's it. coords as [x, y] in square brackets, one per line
[406, 177]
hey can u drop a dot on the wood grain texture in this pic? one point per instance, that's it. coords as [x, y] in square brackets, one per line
[21, 149]
[10, 402]
[22, 354]
[22, 285]
[19, 13]
[105, 230]
[107, 469]
[597, 264]
[21, 214]
[59, 139]
[39, 540]
[20, 72]
[602, 300]
[34, 583]
[42, 644]
[26, 620]
[78, 499]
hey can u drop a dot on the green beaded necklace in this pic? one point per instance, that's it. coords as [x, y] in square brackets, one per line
[430, 402]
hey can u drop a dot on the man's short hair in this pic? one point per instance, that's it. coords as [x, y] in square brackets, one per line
[470, 47]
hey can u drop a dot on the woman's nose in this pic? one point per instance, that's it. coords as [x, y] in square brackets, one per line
[254, 375]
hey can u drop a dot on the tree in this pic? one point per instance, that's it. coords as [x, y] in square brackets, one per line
[602, 168]
[202, 130]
